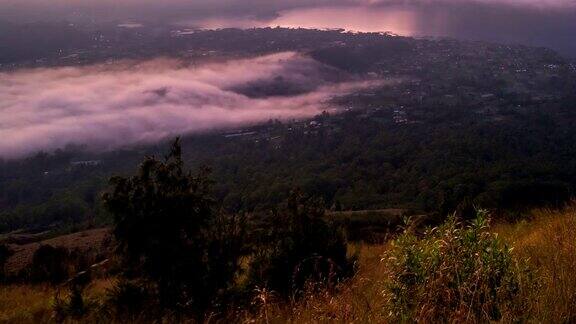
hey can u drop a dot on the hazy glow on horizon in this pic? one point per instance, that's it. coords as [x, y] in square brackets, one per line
[397, 20]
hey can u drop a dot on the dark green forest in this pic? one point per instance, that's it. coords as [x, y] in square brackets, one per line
[524, 161]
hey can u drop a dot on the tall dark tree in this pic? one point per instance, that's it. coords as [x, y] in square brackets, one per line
[170, 233]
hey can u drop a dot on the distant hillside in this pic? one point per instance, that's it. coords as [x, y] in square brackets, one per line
[454, 125]
[95, 242]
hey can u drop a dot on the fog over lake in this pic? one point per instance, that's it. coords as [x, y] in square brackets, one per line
[552, 28]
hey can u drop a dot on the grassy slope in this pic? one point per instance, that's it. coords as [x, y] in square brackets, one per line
[90, 241]
[33, 304]
[548, 241]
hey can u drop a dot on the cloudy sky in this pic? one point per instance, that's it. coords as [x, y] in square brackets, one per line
[171, 9]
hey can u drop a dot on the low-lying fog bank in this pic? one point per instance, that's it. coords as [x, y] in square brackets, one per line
[107, 106]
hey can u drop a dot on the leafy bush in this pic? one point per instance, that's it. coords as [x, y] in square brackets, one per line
[299, 246]
[170, 233]
[453, 273]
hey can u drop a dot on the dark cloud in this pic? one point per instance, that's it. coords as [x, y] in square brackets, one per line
[148, 10]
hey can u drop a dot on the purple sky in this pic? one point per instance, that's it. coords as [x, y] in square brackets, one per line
[168, 9]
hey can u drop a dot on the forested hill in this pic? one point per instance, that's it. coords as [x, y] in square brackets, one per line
[465, 124]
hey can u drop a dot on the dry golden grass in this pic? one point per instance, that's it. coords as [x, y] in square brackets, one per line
[25, 304]
[548, 241]
[33, 303]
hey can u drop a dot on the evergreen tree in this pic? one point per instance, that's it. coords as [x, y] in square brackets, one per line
[169, 232]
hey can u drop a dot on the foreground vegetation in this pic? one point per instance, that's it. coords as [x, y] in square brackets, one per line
[176, 255]
[547, 292]
[542, 255]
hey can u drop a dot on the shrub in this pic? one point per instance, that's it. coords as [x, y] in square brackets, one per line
[128, 299]
[49, 264]
[5, 254]
[299, 246]
[453, 273]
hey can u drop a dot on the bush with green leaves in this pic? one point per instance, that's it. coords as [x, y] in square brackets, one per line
[453, 273]
[170, 233]
[299, 246]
